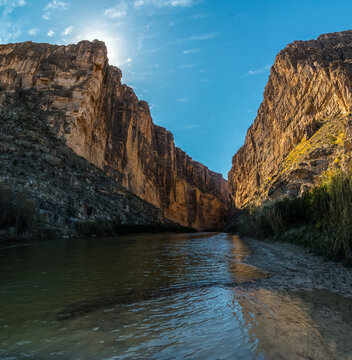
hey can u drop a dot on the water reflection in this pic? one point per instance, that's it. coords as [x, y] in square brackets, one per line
[157, 297]
[292, 326]
[241, 271]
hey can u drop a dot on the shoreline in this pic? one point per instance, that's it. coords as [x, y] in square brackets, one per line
[293, 268]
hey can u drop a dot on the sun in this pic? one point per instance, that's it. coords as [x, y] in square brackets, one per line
[113, 42]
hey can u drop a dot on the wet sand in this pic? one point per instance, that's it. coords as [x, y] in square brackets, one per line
[294, 268]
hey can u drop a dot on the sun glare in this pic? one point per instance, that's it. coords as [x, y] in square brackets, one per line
[113, 43]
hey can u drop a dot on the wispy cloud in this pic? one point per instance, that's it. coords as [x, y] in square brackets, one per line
[127, 62]
[116, 12]
[54, 6]
[182, 100]
[67, 31]
[51, 33]
[145, 35]
[191, 51]
[9, 30]
[9, 5]
[164, 3]
[259, 71]
[33, 31]
[203, 37]
[123, 7]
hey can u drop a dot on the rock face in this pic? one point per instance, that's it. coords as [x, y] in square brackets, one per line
[102, 120]
[64, 187]
[302, 129]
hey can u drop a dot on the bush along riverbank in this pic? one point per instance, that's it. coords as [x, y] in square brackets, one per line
[320, 220]
[17, 214]
[102, 227]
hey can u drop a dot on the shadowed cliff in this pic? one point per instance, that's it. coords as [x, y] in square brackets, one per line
[84, 103]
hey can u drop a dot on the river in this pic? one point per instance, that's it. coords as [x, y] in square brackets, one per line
[179, 296]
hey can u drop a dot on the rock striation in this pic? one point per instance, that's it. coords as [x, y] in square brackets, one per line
[64, 187]
[303, 126]
[84, 103]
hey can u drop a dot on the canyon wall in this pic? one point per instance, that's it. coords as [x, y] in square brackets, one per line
[302, 129]
[85, 105]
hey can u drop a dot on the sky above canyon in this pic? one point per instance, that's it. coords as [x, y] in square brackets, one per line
[202, 65]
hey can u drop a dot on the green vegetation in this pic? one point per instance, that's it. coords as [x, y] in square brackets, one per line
[102, 227]
[330, 135]
[16, 211]
[319, 220]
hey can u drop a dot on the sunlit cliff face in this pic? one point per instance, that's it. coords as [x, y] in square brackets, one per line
[113, 42]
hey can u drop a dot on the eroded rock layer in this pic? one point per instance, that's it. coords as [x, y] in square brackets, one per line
[102, 120]
[302, 128]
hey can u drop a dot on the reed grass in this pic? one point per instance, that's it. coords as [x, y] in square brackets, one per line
[320, 220]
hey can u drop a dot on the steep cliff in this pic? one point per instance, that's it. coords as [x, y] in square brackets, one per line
[302, 129]
[82, 99]
[64, 188]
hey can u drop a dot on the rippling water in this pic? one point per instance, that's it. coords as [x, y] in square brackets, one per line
[157, 297]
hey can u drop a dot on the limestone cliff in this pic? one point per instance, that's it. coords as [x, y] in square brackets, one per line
[302, 128]
[63, 187]
[85, 104]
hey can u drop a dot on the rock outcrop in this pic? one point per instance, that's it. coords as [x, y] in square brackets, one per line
[302, 129]
[64, 188]
[84, 103]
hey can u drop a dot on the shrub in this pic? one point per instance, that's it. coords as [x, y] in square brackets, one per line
[16, 210]
[274, 218]
[320, 220]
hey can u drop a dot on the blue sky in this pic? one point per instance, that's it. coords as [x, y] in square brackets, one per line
[202, 65]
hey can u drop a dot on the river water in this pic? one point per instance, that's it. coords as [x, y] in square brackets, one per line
[158, 297]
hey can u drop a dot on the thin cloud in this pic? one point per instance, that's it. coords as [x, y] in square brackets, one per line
[67, 31]
[126, 62]
[116, 12]
[191, 51]
[145, 35]
[54, 6]
[203, 37]
[51, 33]
[182, 100]
[164, 3]
[33, 31]
[10, 5]
[9, 31]
[259, 71]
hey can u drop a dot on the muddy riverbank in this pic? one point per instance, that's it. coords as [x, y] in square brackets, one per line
[294, 268]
